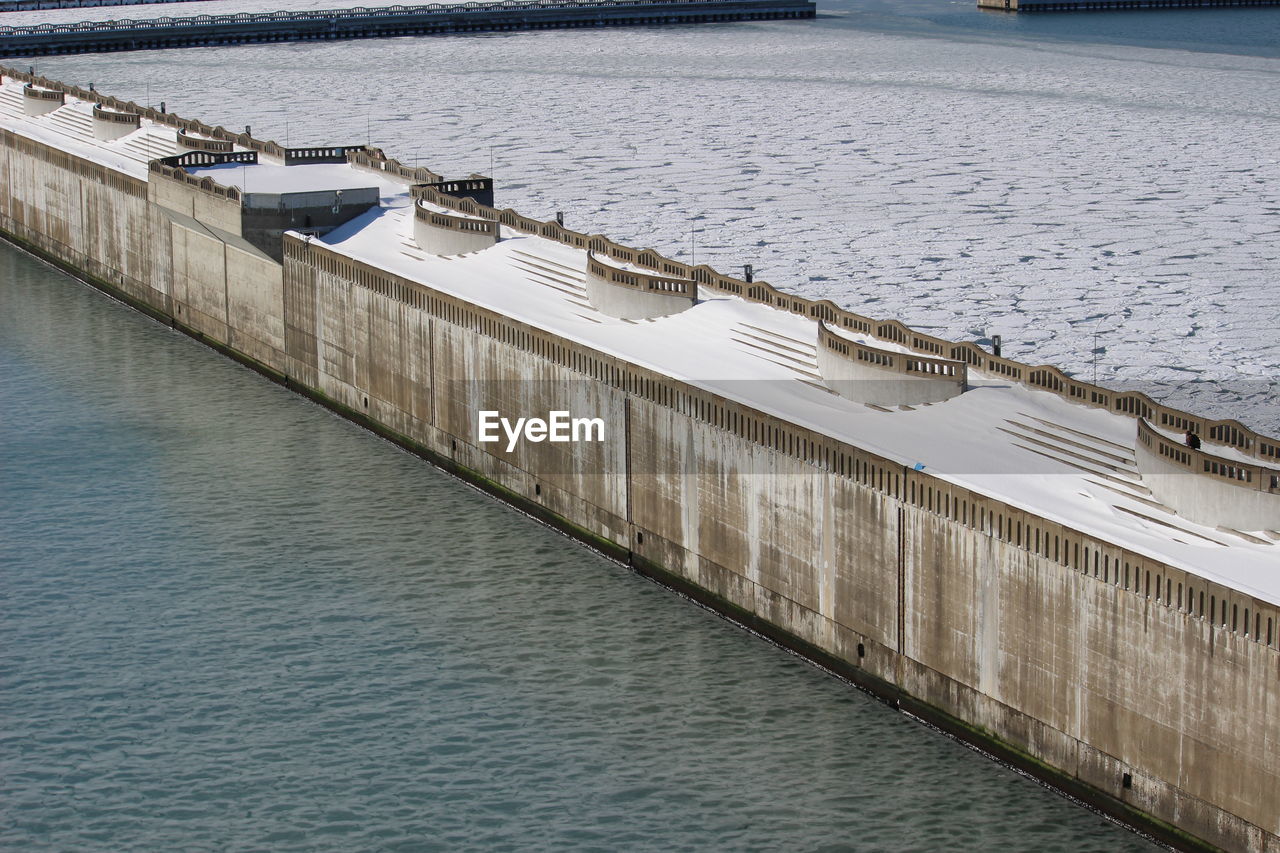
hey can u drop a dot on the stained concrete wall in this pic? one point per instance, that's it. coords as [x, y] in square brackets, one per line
[1029, 632]
[106, 129]
[1102, 679]
[188, 198]
[198, 271]
[1010, 634]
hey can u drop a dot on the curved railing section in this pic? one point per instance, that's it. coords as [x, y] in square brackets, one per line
[108, 124]
[30, 91]
[450, 222]
[1207, 488]
[631, 294]
[867, 374]
[192, 142]
[1225, 432]
[373, 158]
[37, 101]
[643, 282]
[102, 114]
[206, 184]
[451, 234]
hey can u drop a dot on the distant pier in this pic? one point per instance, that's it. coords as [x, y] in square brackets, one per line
[335, 24]
[31, 5]
[1106, 5]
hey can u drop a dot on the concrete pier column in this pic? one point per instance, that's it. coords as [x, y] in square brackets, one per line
[1208, 488]
[108, 125]
[443, 233]
[37, 102]
[883, 377]
[631, 294]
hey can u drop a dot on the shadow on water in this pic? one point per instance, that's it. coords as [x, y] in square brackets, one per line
[230, 620]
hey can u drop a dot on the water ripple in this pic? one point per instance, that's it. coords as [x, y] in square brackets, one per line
[232, 621]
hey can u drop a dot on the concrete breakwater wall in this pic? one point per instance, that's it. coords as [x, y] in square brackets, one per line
[468, 197]
[433, 19]
[1144, 688]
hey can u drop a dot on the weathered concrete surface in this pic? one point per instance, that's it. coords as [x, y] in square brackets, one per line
[109, 126]
[1045, 644]
[37, 102]
[215, 211]
[864, 383]
[449, 235]
[628, 303]
[1205, 499]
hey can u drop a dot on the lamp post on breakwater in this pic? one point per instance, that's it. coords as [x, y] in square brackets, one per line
[1096, 327]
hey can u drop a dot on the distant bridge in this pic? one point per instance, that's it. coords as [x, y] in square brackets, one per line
[29, 5]
[1102, 5]
[360, 22]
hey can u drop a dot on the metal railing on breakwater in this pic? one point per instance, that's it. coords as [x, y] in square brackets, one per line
[116, 118]
[467, 224]
[641, 281]
[893, 362]
[34, 5]
[360, 22]
[1193, 461]
[1226, 431]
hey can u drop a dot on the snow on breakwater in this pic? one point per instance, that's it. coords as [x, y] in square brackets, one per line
[1039, 564]
[1039, 192]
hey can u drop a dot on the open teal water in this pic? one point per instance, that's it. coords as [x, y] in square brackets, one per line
[232, 621]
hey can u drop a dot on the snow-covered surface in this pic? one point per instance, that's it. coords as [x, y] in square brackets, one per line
[992, 439]
[426, 205]
[623, 265]
[964, 182]
[269, 178]
[1221, 451]
[871, 341]
[1037, 192]
[71, 127]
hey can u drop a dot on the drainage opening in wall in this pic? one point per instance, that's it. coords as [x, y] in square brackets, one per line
[366, 402]
[862, 651]
[1127, 780]
[453, 444]
[639, 538]
[537, 489]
